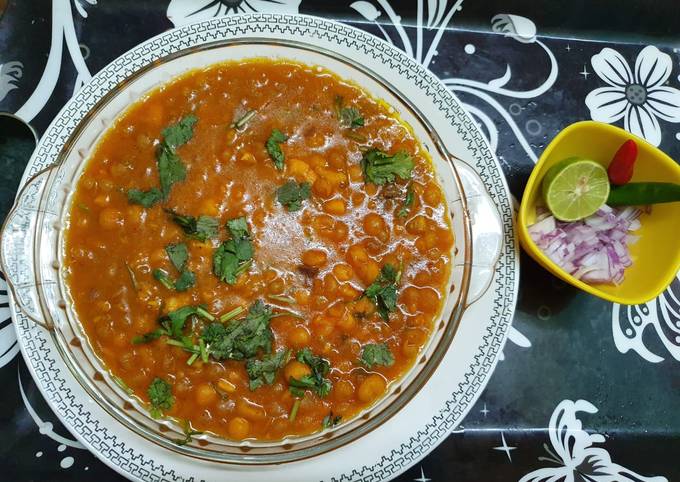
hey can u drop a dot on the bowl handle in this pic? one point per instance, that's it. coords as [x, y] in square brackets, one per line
[18, 248]
[486, 230]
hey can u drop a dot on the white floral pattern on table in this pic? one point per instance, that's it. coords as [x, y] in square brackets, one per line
[661, 314]
[637, 96]
[10, 73]
[182, 12]
[574, 453]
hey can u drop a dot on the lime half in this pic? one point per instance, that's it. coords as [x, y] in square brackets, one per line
[575, 188]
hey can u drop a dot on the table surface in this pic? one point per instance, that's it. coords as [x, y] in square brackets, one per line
[615, 369]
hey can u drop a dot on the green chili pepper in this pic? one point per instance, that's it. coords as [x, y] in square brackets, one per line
[641, 193]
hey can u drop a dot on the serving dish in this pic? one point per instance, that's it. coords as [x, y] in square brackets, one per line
[656, 255]
[260, 30]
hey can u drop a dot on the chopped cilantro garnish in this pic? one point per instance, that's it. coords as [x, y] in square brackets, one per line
[234, 256]
[241, 339]
[149, 337]
[349, 117]
[144, 198]
[173, 322]
[188, 434]
[164, 279]
[178, 255]
[180, 133]
[291, 194]
[185, 281]
[383, 291]
[376, 354]
[160, 396]
[330, 421]
[171, 169]
[263, 371]
[381, 168]
[201, 228]
[273, 146]
[243, 120]
[316, 381]
[408, 202]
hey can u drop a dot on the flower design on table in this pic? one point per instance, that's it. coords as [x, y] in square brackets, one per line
[574, 453]
[639, 96]
[661, 314]
[10, 73]
[63, 30]
[181, 12]
[8, 338]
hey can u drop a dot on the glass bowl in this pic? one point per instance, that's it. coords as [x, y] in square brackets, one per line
[33, 237]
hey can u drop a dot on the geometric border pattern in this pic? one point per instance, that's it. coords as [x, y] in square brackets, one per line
[33, 340]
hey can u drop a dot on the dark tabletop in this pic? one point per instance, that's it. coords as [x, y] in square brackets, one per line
[523, 78]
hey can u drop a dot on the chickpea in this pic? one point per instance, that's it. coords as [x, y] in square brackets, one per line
[238, 428]
[248, 158]
[355, 173]
[343, 272]
[371, 388]
[297, 370]
[432, 195]
[357, 255]
[250, 410]
[348, 322]
[348, 292]
[226, 386]
[102, 200]
[205, 394]
[136, 215]
[375, 225]
[315, 258]
[110, 218]
[299, 337]
[368, 272]
[343, 389]
[322, 188]
[316, 140]
[300, 170]
[322, 326]
[335, 206]
[417, 225]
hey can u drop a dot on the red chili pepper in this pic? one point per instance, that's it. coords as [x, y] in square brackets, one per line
[620, 170]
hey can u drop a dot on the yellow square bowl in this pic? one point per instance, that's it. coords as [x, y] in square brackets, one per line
[656, 255]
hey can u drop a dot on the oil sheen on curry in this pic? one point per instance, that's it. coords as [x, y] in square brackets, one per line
[258, 249]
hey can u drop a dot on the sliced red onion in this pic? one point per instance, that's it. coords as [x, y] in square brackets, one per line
[595, 249]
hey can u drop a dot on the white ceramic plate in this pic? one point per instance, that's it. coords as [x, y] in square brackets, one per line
[446, 398]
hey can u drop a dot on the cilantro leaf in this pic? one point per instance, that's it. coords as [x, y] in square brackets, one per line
[263, 371]
[185, 281]
[241, 339]
[408, 202]
[349, 117]
[316, 381]
[171, 169]
[164, 278]
[273, 146]
[376, 354]
[238, 228]
[291, 194]
[144, 198]
[381, 168]
[234, 256]
[178, 254]
[149, 337]
[180, 133]
[383, 291]
[201, 228]
[329, 421]
[173, 322]
[160, 396]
